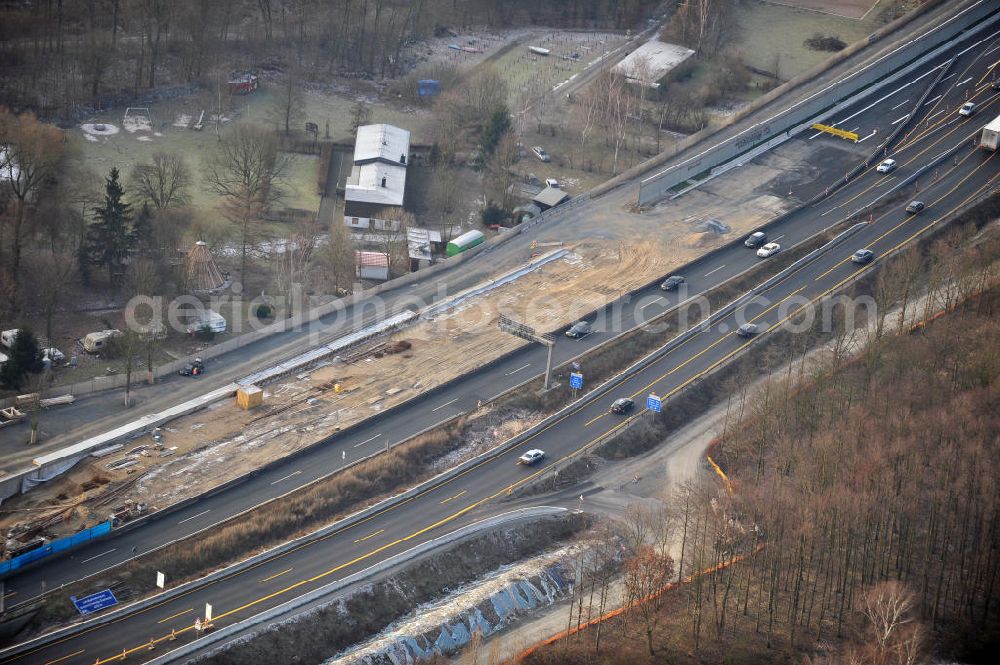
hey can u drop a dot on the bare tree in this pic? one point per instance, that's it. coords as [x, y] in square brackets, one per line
[32, 153]
[499, 171]
[164, 182]
[245, 171]
[335, 258]
[289, 107]
[390, 229]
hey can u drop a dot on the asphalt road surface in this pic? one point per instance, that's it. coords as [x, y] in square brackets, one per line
[476, 492]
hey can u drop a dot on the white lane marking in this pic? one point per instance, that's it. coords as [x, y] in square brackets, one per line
[778, 238]
[712, 272]
[855, 129]
[963, 82]
[899, 104]
[931, 101]
[952, 75]
[824, 214]
[444, 405]
[98, 556]
[867, 137]
[293, 473]
[358, 445]
[991, 51]
[652, 302]
[935, 115]
[188, 519]
[882, 99]
[515, 371]
[896, 122]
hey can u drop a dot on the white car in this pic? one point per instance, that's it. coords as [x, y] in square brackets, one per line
[770, 249]
[886, 166]
[531, 457]
[552, 182]
[968, 108]
[53, 354]
[540, 153]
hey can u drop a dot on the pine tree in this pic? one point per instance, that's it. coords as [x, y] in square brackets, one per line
[25, 356]
[143, 237]
[110, 237]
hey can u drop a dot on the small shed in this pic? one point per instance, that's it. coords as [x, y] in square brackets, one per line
[372, 265]
[550, 197]
[249, 397]
[200, 272]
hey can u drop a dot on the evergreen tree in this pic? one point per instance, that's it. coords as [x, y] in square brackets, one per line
[110, 237]
[25, 356]
[143, 237]
[496, 126]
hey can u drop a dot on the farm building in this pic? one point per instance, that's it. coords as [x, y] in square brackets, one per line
[372, 265]
[378, 177]
[549, 197]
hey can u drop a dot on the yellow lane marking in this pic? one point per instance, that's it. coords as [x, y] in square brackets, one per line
[59, 660]
[913, 217]
[710, 347]
[451, 498]
[504, 490]
[174, 616]
[370, 535]
[268, 579]
[594, 420]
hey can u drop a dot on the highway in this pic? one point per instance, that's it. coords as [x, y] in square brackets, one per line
[453, 503]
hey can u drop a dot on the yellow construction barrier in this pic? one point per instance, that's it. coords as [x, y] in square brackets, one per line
[850, 136]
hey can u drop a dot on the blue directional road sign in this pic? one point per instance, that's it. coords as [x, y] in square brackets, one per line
[576, 380]
[95, 601]
[654, 403]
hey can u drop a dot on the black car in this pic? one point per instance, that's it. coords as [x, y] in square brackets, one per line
[578, 330]
[755, 239]
[672, 282]
[862, 256]
[623, 405]
[194, 368]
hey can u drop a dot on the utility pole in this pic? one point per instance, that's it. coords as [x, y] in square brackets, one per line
[518, 329]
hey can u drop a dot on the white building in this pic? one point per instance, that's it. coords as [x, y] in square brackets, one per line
[378, 177]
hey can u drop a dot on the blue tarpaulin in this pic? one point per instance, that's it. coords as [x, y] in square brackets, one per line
[428, 88]
[55, 546]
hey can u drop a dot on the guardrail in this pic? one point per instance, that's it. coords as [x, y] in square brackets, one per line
[820, 104]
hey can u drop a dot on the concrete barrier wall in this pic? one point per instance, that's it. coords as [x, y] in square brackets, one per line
[658, 185]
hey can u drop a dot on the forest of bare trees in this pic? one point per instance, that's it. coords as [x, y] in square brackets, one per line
[863, 502]
[57, 57]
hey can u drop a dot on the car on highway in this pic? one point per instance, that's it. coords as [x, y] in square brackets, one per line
[747, 330]
[194, 368]
[770, 249]
[886, 166]
[915, 206]
[579, 329]
[755, 239]
[540, 153]
[862, 256]
[672, 282]
[531, 457]
[968, 108]
[622, 405]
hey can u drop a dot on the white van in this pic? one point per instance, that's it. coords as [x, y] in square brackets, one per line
[96, 341]
[7, 337]
[209, 317]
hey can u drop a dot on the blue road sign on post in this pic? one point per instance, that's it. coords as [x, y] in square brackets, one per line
[575, 380]
[654, 403]
[95, 601]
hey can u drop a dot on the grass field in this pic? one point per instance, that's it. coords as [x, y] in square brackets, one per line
[768, 31]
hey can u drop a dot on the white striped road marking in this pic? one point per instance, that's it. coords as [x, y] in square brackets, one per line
[898, 105]
[896, 122]
[652, 302]
[867, 137]
[712, 272]
[188, 519]
[931, 101]
[935, 115]
[515, 371]
[98, 556]
[963, 82]
[358, 445]
[293, 473]
[445, 404]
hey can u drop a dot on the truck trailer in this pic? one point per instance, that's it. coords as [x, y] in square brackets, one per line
[990, 138]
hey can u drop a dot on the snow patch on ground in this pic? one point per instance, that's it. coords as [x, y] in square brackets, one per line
[487, 605]
[99, 129]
